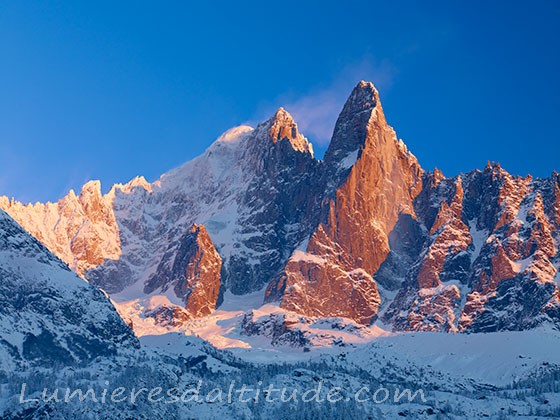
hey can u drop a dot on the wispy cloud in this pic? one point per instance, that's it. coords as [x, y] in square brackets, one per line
[316, 111]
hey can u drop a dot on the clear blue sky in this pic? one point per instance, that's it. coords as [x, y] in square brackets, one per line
[110, 90]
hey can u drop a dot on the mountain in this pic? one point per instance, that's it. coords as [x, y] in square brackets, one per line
[489, 256]
[364, 234]
[371, 181]
[241, 190]
[48, 315]
[192, 269]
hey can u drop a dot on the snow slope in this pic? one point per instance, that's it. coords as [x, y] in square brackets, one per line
[47, 313]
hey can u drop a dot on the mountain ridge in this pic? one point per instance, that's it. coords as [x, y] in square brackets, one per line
[363, 234]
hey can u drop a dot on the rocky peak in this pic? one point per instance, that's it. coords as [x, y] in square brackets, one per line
[450, 210]
[200, 285]
[282, 127]
[93, 204]
[493, 196]
[80, 230]
[436, 176]
[136, 182]
[280, 185]
[276, 145]
[91, 189]
[69, 199]
[192, 269]
[450, 237]
[362, 109]
[364, 97]
[371, 181]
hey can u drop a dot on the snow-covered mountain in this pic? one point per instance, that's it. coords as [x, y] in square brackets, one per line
[489, 256]
[259, 264]
[48, 315]
[364, 234]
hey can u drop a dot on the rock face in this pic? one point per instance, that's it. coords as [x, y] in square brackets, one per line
[80, 230]
[376, 181]
[276, 198]
[363, 234]
[192, 271]
[250, 190]
[47, 314]
[489, 261]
